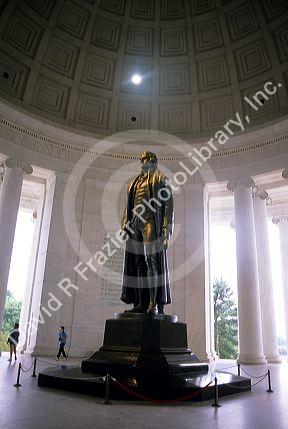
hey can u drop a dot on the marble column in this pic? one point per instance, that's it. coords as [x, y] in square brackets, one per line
[249, 313]
[283, 234]
[196, 294]
[269, 334]
[9, 204]
[282, 222]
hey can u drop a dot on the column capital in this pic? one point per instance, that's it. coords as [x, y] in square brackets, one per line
[263, 195]
[2, 171]
[16, 163]
[240, 181]
[285, 173]
[278, 219]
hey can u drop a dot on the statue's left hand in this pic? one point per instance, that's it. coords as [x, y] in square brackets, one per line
[165, 238]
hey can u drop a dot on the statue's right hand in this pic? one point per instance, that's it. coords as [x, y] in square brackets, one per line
[126, 230]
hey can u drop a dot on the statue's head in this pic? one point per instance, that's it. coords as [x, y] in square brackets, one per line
[148, 160]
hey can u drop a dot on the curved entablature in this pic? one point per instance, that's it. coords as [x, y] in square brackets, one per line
[55, 148]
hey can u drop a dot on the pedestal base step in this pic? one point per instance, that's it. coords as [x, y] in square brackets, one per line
[193, 386]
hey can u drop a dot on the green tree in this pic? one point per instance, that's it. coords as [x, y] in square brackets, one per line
[225, 320]
[11, 315]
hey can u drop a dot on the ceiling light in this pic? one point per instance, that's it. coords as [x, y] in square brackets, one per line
[136, 79]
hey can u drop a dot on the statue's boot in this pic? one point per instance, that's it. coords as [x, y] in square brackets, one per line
[140, 308]
[152, 309]
[160, 309]
[136, 309]
[153, 284]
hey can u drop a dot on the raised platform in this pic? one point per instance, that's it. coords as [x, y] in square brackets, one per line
[173, 388]
[149, 356]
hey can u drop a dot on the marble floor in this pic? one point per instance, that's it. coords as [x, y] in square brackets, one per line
[31, 407]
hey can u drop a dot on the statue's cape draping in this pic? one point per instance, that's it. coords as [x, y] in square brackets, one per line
[163, 218]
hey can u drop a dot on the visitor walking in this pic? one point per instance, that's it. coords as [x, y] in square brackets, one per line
[13, 341]
[62, 341]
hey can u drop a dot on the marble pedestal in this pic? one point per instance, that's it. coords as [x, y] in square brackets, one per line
[141, 345]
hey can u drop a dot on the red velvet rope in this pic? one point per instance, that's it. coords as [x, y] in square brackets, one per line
[146, 398]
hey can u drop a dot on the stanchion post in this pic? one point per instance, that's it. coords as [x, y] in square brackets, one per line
[216, 395]
[107, 390]
[34, 368]
[269, 382]
[18, 376]
[238, 369]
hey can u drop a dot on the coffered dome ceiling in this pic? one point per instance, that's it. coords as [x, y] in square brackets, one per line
[71, 61]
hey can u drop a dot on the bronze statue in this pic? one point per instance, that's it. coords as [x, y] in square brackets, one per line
[148, 220]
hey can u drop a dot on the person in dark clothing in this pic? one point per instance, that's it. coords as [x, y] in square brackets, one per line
[13, 340]
[62, 341]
